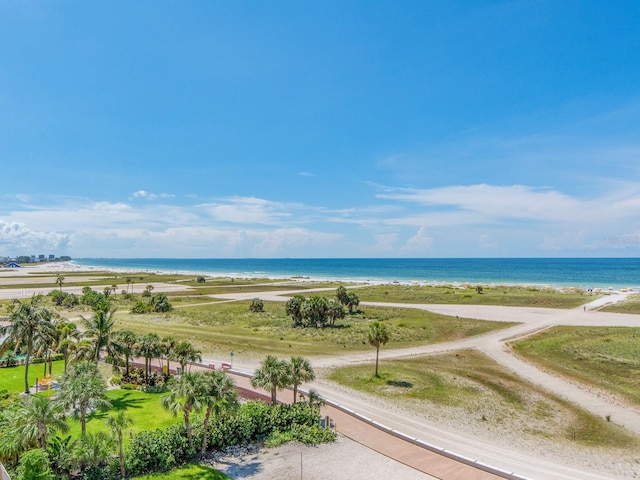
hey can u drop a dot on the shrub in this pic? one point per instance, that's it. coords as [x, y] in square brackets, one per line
[257, 305]
[141, 307]
[201, 280]
[160, 303]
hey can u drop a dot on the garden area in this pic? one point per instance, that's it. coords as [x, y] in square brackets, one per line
[107, 418]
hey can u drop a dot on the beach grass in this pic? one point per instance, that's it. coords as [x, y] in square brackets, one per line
[187, 472]
[603, 357]
[469, 388]
[629, 305]
[219, 328]
[500, 295]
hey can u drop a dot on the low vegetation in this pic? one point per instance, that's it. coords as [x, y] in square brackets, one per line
[604, 357]
[474, 393]
[470, 295]
[630, 305]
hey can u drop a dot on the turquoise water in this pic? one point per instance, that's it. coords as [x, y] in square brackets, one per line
[579, 272]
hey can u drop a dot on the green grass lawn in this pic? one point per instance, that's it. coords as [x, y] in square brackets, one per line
[471, 388]
[143, 408]
[509, 296]
[12, 378]
[630, 305]
[192, 472]
[226, 327]
[605, 357]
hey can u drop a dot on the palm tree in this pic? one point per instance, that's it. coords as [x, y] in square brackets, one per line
[148, 346]
[83, 388]
[82, 350]
[272, 375]
[300, 372]
[91, 453]
[218, 393]
[118, 423]
[66, 334]
[353, 301]
[186, 353]
[126, 341]
[60, 281]
[114, 288]
[377, 337]
[99, 328]
[28, 322]
[167, 345]
[37, 418]
[185, 396]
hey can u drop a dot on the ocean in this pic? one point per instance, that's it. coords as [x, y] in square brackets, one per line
[577, 272]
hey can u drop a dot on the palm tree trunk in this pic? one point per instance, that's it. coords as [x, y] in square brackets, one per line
[377, 353]
[273, 396]
[205, 430]
[83, 422]
[187, 425]
[295, 393]
[26, 367]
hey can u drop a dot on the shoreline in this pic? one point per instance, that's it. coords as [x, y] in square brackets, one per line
[74, 267]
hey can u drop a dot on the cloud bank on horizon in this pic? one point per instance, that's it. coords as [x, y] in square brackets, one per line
[502, 129]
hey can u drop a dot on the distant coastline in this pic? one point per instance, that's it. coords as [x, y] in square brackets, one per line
[554, 272]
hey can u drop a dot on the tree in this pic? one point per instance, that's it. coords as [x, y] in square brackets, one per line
[37, 418]
[99, 328]
[256, 306]
[147, 291]
[118, 423]
[160, 303]
[83, 388]
[185, 397]
[300, 371]
[293, 307]
[335, 311]
[341, 295]
[114, 289]
[314, 310]
[352, 301]
[217, 394]
[91, 454]
[126, 341]
[167, 346]
[28, 323]
[377, 337]
[66, 334]
[148, 346]
[272, 375]
[60, 281]
[185, 353]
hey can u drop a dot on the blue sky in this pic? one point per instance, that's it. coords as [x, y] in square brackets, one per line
[320, 129]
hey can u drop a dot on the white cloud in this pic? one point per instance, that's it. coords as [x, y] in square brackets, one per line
[17, 239]
[306, 174]
[151, 196]
[420, 243]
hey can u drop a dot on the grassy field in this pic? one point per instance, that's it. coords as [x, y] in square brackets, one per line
[605, 357]
[12, 378]
[630, 305]
[226, 327]
[470, 389]
[189, 472]
[143, 408]
[509, 296]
